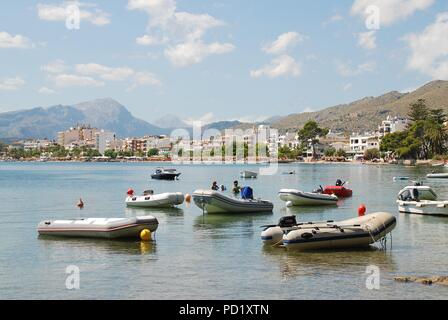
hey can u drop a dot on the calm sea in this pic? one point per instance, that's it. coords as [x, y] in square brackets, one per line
[198, 256]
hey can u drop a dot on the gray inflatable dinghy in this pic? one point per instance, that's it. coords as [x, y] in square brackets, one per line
[109, 228]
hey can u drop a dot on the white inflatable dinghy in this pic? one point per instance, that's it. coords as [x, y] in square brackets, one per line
[110, 228]
[351, 233]
[300, 198]
[215, 202]
[163, 200]
[437, 175]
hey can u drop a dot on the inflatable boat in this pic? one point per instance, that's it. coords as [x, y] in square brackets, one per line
[421, 200]
[109, 228]
[339, 191]
[352, 233]
[300, 198]
[437, 176]
[165, 174]
[163, 200]
[215, 202]
[248, 174]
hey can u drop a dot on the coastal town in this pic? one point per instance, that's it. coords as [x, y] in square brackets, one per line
[83, 142]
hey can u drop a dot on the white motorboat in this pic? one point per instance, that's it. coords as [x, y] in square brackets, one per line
[437, 175]
[294, 197]
[421, 200]
[110, 228]
[150, 200]
[357, 232]
[246, 174]
[215, 202]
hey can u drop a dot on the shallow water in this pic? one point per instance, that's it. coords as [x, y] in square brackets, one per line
[199, 256]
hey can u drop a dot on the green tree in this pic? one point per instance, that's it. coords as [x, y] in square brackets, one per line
[310, 133]
[330, 152]
[371, 154]
[419, 110]
[341, 153]
[153, 152]
[111, 154]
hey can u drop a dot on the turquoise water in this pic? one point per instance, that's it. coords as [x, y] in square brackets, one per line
[211, 256]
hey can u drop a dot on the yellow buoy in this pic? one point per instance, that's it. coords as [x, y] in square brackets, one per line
[145, 235]
[188, 198]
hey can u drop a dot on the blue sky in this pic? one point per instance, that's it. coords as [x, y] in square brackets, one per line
[218, 60]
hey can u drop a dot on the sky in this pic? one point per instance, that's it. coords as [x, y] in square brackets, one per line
[218, 60]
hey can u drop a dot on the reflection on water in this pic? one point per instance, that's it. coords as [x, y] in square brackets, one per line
[97, 246]
[139, 212]
[293, 264]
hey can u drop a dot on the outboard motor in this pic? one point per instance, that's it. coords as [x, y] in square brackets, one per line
[286, 222]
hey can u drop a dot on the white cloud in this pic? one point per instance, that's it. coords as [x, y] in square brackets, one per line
[147, 40]
[55, 67]
[334, 18]
[390, 10]
[280, 66]
[367, 40]
[73, 80]
[144, 79]
[346, 70]
[47, 91]
[429, 49]
[284, 42]
[11, 84]
[9, 41]
[96, 75]
[347, 86]
[87, 12]
[182, 32]
[189, 53]
[104, 72]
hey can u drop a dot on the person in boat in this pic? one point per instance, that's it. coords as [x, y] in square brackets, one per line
[236, 188]
[223, 188]
[339, 183]
[215, 186]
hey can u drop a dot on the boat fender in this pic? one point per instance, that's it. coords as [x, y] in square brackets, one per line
[307, 235]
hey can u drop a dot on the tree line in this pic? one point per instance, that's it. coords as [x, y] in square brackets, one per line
[425, 137]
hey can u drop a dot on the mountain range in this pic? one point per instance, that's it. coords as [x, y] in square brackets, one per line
[358, 116]
[367, 113]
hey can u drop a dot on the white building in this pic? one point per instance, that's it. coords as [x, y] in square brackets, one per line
[103, 138]
[392, 124]
[360, 143]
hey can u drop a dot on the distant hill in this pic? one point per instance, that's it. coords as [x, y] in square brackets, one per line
[366, 114]
[170, 121]
[46, 122]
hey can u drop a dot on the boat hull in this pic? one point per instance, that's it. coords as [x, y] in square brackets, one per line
[352, 233]
[248, 174]
[340, 192]
[98, 227]
[300, 198]
[165, 176]
[215, 202]
[164, 200]
[437, 176]
[430, 208]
